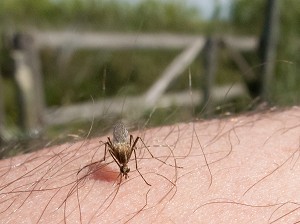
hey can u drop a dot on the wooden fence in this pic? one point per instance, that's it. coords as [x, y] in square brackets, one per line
[35, 114]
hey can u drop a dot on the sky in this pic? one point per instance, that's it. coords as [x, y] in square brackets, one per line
[206, 7]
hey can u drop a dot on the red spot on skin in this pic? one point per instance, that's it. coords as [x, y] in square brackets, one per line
[104, 173]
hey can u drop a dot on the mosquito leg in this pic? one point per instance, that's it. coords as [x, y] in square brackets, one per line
[105, 150]
[113, 156]
[134, 144]
[136, 166]
[139, 138]
[87, 166]
[131, 140]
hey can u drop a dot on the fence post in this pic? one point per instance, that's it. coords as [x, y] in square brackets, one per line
[210, 67]
[27, 78]
[267, 47]
[2, 114]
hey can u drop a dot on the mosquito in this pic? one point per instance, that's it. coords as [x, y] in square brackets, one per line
[121, 150]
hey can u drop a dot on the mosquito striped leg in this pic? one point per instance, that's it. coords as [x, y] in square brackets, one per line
[136, 166]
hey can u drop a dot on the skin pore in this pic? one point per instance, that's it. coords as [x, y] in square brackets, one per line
[249, 174]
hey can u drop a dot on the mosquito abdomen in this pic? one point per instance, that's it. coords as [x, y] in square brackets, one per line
[120, 133]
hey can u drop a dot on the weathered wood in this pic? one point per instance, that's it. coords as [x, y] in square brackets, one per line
[268, 46]
[210, 67]
[112, 41]
[125, 41]
[240, 61]
[132, 106]
[2, 114]
[246, 43]
[178, 65]
[27, 78]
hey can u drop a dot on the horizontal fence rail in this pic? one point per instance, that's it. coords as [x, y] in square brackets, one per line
[125, 41]
[134, 105]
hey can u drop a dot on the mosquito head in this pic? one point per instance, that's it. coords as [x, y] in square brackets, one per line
[125, 170]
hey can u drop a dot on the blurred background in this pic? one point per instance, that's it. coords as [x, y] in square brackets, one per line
[67, 64]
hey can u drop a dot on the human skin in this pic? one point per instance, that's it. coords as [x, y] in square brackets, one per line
[250, 174]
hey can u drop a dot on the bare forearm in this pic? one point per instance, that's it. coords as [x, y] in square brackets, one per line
[249, 174]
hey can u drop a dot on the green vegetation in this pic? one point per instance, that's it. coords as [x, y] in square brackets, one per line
[248, 17]
[150, 15]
